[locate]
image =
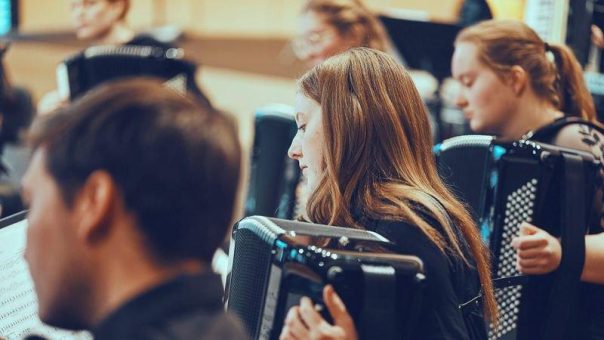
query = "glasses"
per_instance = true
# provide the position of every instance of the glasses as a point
(85, 4)
(305, 44)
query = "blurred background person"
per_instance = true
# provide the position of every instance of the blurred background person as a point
(328, 27)
(100, 22)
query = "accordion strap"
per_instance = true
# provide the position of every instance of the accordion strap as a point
(565, 290)
(549, 132)
(379, 307)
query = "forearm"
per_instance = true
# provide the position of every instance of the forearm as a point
(593, 271)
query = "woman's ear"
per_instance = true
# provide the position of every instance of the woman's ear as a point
(518, 79)
(95, 205)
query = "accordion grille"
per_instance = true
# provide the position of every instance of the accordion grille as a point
(518, 208)
(248, 279)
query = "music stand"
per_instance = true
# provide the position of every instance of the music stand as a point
(424, 45)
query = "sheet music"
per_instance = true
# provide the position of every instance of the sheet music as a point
(548, 18)
(18, 305)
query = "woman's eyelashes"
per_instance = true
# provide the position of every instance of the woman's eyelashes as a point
(302, 127)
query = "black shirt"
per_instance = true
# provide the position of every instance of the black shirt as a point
(450, 282)
(188, 307)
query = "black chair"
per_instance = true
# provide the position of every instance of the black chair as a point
(462, 164)
(274, 177)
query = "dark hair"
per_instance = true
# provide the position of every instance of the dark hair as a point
(503, 44)
(175, 164)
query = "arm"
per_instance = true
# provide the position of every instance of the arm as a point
(540, 253)
(593, 271)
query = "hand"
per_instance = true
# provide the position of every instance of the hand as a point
(50, 102)
(597, 37)
(538, 251)
(304, 322)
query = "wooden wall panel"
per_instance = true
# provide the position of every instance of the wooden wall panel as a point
(241, 18)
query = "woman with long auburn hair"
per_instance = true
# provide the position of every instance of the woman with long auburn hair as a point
(364, 145)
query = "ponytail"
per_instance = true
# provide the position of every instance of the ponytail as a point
(575, 99)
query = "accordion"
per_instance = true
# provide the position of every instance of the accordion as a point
(273, 263)
(274, 176)
(549, 186)
(98, 64)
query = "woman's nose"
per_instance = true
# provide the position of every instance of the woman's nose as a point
(295, 151)
(460, 100)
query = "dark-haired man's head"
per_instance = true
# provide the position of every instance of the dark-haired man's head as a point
(129, 186)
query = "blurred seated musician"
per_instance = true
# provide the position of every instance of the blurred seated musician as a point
(131, 189)
(364, 144)
(329, 27)
(103, 22)
(516, 86)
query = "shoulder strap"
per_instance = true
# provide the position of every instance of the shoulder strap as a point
(551, 130)
(565, 290)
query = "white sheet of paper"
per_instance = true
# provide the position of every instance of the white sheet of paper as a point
(18, 303)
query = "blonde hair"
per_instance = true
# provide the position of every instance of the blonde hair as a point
(377, 155)
(351, 18)
(503, 44)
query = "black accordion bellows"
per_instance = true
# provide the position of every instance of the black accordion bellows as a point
(524, 181)
(462, 163)
(98, 64)
(275, 262)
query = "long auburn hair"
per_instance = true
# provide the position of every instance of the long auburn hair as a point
(377, 155)
(503, 44)
(351, 17)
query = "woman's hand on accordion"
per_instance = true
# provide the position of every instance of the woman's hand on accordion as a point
(304, 322)
(538, 251)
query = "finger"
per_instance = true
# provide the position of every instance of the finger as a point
(532, 263)
(533, 253)
(293, 325)
(308, 313)
(337, 309)
(515, 242)
(528, 229)
(287, 334)
(531, 241)
(533, 270)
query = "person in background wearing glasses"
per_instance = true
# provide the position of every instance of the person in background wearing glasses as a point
(329, 27)
(101, 22)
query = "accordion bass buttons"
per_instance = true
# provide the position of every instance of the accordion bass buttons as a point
(343, 241)
(334, 272)
(419, 278)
